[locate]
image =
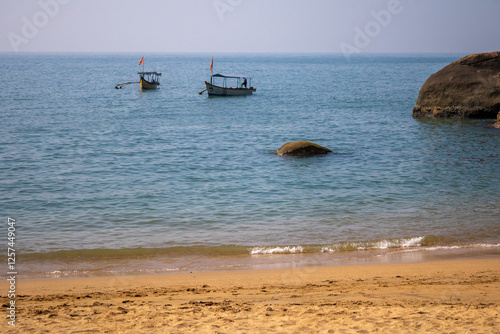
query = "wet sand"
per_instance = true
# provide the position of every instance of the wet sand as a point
(456, 296)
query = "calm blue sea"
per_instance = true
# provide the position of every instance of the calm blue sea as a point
(159, 180)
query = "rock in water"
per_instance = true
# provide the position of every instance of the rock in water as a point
(302, 148)
(468, 87)
(497, 124)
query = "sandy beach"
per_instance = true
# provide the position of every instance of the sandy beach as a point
(455, 296)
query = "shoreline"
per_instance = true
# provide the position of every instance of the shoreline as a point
(436, 296)
(170, 264)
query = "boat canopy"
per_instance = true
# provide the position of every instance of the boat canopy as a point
(149, 73)
(239, 79)
(218, 75)
(153, 77)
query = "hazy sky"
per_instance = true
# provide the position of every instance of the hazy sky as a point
(212, 26)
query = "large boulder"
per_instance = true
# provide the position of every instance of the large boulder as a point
(302, 148)
(468, 87)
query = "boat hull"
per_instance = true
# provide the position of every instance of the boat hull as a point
(214, 90)
(148, 85)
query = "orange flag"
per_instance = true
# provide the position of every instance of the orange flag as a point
(212, 65)
(142, 61)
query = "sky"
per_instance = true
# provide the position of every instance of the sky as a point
(250, 26)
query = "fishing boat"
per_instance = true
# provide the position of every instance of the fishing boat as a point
(231, 85)
(149, 80)
(237, 85)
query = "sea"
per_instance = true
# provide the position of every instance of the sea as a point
(105, 181)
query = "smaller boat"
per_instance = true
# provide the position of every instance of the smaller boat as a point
(149, 80)
(241, 85)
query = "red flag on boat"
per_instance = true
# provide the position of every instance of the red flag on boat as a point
(212, 65)
(142, 61)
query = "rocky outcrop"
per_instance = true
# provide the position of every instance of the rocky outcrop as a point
(468, 87)
(302, 148)
(497, 124)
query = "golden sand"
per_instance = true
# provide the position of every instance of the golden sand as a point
(456, 296)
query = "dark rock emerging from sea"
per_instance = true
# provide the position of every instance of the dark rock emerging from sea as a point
(466, 88)
(302, 148)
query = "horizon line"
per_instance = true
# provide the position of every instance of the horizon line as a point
(240, 53)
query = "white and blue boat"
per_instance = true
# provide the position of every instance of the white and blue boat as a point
(229, 85)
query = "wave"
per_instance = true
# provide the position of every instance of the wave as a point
(416, 243)
(89, 255)
(348, 246)
(381, 244)
(277, 250)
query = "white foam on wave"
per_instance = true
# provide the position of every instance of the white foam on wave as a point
(382, 244)
(276, 250)
(487, 245)
(406, 244)
(400, 243)
(463, 246)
